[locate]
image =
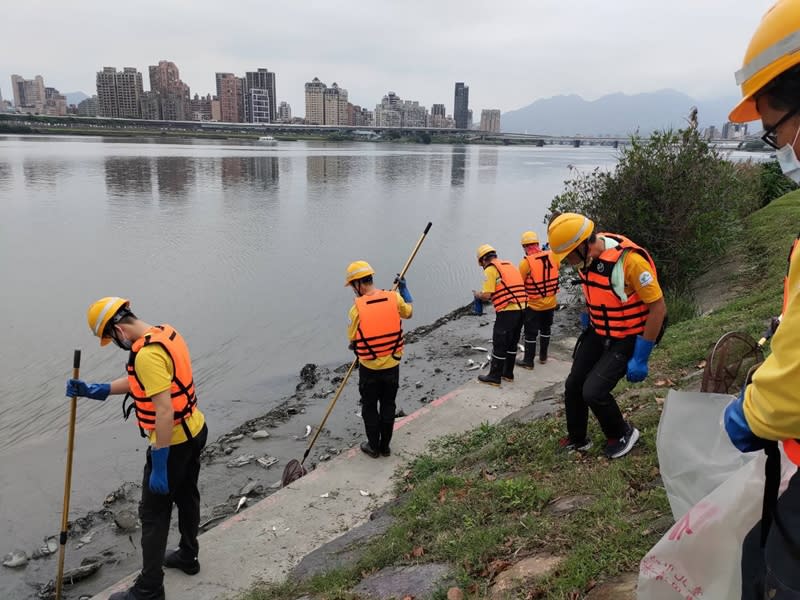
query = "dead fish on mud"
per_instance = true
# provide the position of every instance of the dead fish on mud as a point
(15, 559)
(305, 435)
(242, 502)
(49, 547)
(475, 348)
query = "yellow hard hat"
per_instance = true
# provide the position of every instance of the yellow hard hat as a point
(357, 270)
(100, 313)
(566, 232)
(529, 237)
(483, 250)
(774, 48)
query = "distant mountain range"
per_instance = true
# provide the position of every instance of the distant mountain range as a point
(615, 114)
(75, 97)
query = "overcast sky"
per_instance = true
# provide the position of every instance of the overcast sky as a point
(508, 52)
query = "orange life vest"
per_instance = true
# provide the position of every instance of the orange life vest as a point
(791, 447)
(609, 315)
(184, 400)
(510, 288)
(542, 281)
(379, 332)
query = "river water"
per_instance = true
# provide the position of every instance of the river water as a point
(243, 249)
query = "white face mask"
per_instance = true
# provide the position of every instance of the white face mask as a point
(787, 159)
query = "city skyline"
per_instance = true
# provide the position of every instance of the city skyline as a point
(510, 56)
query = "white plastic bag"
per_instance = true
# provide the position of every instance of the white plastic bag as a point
(695, 454)
(700, 556)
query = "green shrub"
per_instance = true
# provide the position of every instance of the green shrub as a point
(673, 194)
(773, 183)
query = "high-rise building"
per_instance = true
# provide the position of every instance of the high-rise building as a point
(55, 103)
(88, 107)
(315, 102)
(29, 94)
(229, 93)
(120, 93)
(469, 119)
(438, 116)
(461, 105)
(151, 106)
(200, 108)
(490, 120)
(284, 112)
(259, 97)
(335, 105)
(393, 111)
(173, 94)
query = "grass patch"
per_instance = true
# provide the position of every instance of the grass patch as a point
(480, 500)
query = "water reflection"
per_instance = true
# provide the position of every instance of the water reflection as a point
(43, 173)
(257, 172)
(5, 175)
(128, 175)
(328, 169)
(458, 165)
(487, 165)
(175, 176)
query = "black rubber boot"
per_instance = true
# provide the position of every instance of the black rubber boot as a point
(495, 372)
(526, 362)
(369, 450)
(508, 366)
(544, 343)
(177, 560)
(139, 592)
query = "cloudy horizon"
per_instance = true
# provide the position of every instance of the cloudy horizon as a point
(509, 54)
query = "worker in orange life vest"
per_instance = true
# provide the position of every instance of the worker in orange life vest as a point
(768, 410)
(376, 336)
(540, 272)
(161, 386)
(624, 319)
(502, 285)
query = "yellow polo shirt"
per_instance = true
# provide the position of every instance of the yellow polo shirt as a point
(546, 303)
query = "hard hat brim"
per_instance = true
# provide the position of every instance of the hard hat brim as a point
(745, 111)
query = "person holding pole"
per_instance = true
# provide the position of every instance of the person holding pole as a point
(160, 383)
(376, 336)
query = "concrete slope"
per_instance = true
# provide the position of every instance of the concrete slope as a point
(263, 542)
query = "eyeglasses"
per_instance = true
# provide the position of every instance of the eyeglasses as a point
(770, 136)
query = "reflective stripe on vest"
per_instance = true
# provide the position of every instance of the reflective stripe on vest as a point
(542, 281)
(610, 316)
(379, 332)
(791, 447)
(510, 288)
(184, 399)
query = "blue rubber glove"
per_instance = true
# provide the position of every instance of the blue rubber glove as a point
(95, 391)
(738, 429)
(477, 306)
(637, 365)
(584, 321)
(158, 474)
(403, 289)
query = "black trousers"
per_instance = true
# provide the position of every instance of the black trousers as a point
(378, 391)
(538, 322)
(505, 337)
(598, 364)
(155, 510)
(774, 571)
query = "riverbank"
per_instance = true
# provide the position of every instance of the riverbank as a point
(437, 360)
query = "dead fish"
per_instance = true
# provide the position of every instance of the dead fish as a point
(364, 492)
(520, 347)
(308, 432)
(242, 502)
(240, 461)
(479, 349)
(15, 559)
(473, 368)
(482, 365)
(49, 547)
(418, 384)
(89, 566)
(470, 362)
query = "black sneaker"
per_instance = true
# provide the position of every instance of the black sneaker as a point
(619, 448)
(139, 592)
(565, 444)
(367, 449)
(177, 560)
